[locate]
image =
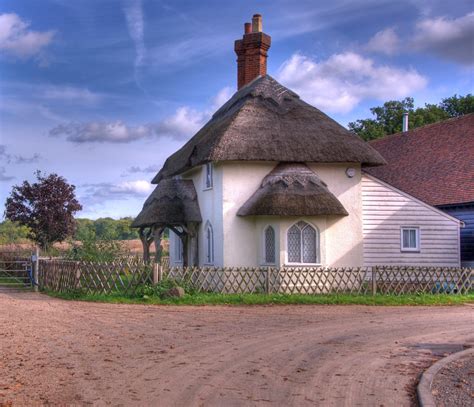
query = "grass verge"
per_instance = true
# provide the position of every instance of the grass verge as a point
(274, 299)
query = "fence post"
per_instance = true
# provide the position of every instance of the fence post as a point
(374, 280)
(267, 281)
(36, 270)
(156, 273)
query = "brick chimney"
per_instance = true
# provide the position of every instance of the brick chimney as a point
(251, 52)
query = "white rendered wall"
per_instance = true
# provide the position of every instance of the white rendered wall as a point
(210, 204)
(343, 234)
(340, 237)
(386, 210)
(241, 238)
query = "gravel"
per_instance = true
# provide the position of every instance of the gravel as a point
(454, 384)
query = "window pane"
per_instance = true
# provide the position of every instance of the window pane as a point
(412, 239)
(294, 245)
(406, 239)
(210, 245)
(269, 245)
(309, 245)
(208, 175)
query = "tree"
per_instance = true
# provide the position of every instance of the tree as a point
(458, 105)
(46, 207)
(388, 118)
(11, 232)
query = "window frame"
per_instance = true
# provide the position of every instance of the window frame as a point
(209, 253)
(264, 246)
(318, 246)
(417, 239)
(208, 174)
(178, 250)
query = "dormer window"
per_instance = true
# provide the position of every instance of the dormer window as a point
(208, 174)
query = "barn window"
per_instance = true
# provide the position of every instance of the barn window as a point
(303, 244)
(208, 181)
(410, 239)
(209, 244)
(269, 245)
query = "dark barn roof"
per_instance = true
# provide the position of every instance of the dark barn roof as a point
(434, 163)
(264, 121)
(173, 202)
(292, 189)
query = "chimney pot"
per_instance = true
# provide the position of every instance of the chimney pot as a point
(257, 23)
(405, 122)
(247, 28)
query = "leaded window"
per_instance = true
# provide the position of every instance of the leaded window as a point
(178, 249)
(209, 244)
(302, 242)
(269, 245)
(209, 176)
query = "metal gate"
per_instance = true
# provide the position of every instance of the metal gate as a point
(16, 270)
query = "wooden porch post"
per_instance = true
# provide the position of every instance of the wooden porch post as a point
(157, 239)
(146, 238)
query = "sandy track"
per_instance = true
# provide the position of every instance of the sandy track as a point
(56, 352)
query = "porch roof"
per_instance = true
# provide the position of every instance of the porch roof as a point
(173, 202)
(292, 189)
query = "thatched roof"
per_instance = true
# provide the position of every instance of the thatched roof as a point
(264, 121)
(173, 202)
(292, 189)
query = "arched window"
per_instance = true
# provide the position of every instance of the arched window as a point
(269, 245)
(209, 237)
(303, 242)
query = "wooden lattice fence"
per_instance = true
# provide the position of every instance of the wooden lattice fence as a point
(124, 276)
(128, 275)
(362, 280)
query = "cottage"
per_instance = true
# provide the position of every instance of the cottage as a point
(435, 163)
(272, 181)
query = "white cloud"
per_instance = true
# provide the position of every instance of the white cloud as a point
(150, 169)
(448, 38)
(17, 40)
(184, 123)
(8, 158)
(108, 191)
(181, 125)
(133, 11)
(100, 132)
(341, 82)
(385, 41)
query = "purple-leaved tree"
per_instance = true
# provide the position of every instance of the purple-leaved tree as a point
(47, 207)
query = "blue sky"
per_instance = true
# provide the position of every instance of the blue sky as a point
(101, 92)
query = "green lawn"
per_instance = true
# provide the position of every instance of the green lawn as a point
(273, 299)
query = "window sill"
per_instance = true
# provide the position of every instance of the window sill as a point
(410, 250)
(303, 265)
(207, 189)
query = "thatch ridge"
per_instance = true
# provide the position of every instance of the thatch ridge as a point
(173, 202)
(264, 121)
(292, 189)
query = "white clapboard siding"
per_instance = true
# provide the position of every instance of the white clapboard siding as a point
(386, 210)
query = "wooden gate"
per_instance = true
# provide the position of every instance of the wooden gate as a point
(16, 270)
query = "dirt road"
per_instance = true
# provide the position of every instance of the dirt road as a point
(56, 352)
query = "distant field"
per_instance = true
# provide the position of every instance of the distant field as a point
(133, 246)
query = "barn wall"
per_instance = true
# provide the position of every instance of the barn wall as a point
(386, 210)
(465, 213)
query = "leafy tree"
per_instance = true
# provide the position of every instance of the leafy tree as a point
(388, 118)
(85, 229)
(458, 105)
(92, 249)
(46, 207)
(12, 232)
